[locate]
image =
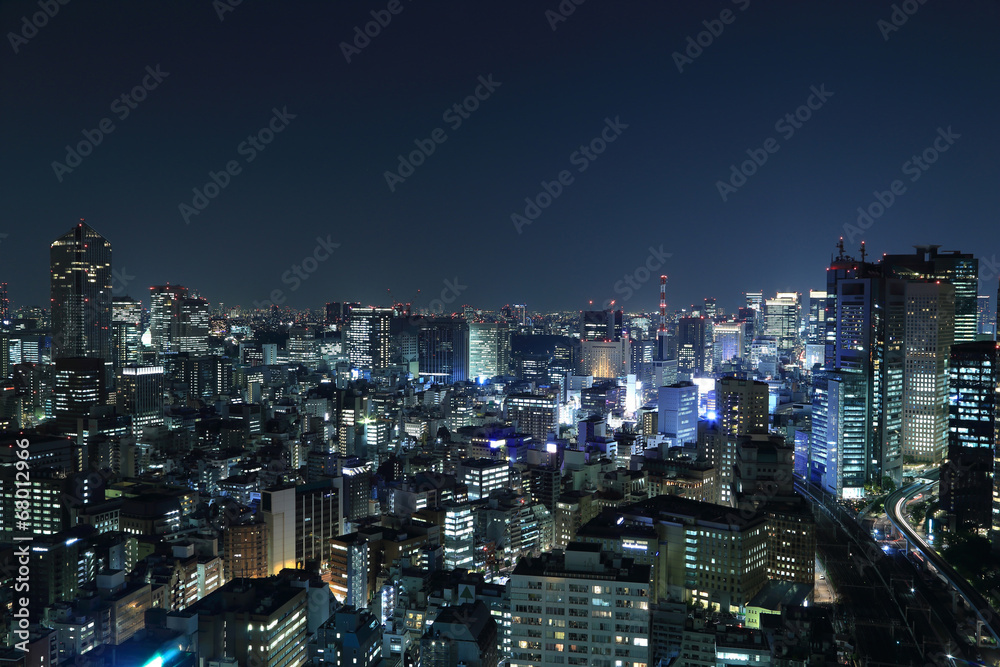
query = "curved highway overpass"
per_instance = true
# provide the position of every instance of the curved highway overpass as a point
(894, 507)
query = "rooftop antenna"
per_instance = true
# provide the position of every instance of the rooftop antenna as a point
(863, 253)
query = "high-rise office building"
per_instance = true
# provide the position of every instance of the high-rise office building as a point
(678, 413)
(839, 458)
(537, 415)
(126, 322)
(140, 394)
(782, 316)
(189, 328)
(987, 316)
(458, 535)
(691, 339)
(967, 474)
(79, 385)
(164, 305)
(367, 340)
(605, 359)
(4, 305)
(816, 327)
(728, 343)
(961, 270)
(929, 335)
(741, 409)
(489, 349)
(80, 263)
(443, 349)
(599, 596)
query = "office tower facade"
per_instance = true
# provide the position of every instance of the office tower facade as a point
(961, 270)
(967, 475)
(443, 350)
(929, 335)
(458, 536)
(782, 316)
(691, 341)
(126, 321)
(605, 359)
(816, 326)
(987, 316)
(537, 415)
(368, 340)
(484, 476)
(601, 324)
(253, 622)
(678, 413)
(140, 394)
(462, 635)
(741, 409)
(80, 263)
(164, 303)
(598, 595)
(839, 456)
(244, 550)
(79, 385)
(728, 342)
(489, 349)
(189, 328)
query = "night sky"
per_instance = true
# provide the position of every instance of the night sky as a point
(655, 185)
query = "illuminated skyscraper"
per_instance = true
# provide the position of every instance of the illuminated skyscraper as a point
(959, 269)
(367, 340)
(987, 316)
(967, 475)
(81, 295)
(930, 332)
(728, 345)
(164, 303)
(489, 349)
(126, 322)
(782, 315)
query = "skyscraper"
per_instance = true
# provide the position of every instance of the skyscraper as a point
(489, 349)
(443, 349)
(80, 263)
(987, 316)
(930, 332)
(967, 475)
(367, 340)
(959, 269)
(126, 322)
(164, 303)
(781, 320)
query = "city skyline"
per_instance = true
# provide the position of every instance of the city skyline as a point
(326, 131)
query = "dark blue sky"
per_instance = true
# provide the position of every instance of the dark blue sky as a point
(656, 185)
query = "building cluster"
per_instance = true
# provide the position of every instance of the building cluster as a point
(360, 485)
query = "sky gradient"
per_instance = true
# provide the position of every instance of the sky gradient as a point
(319, 188)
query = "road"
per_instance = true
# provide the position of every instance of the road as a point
(895, 505)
